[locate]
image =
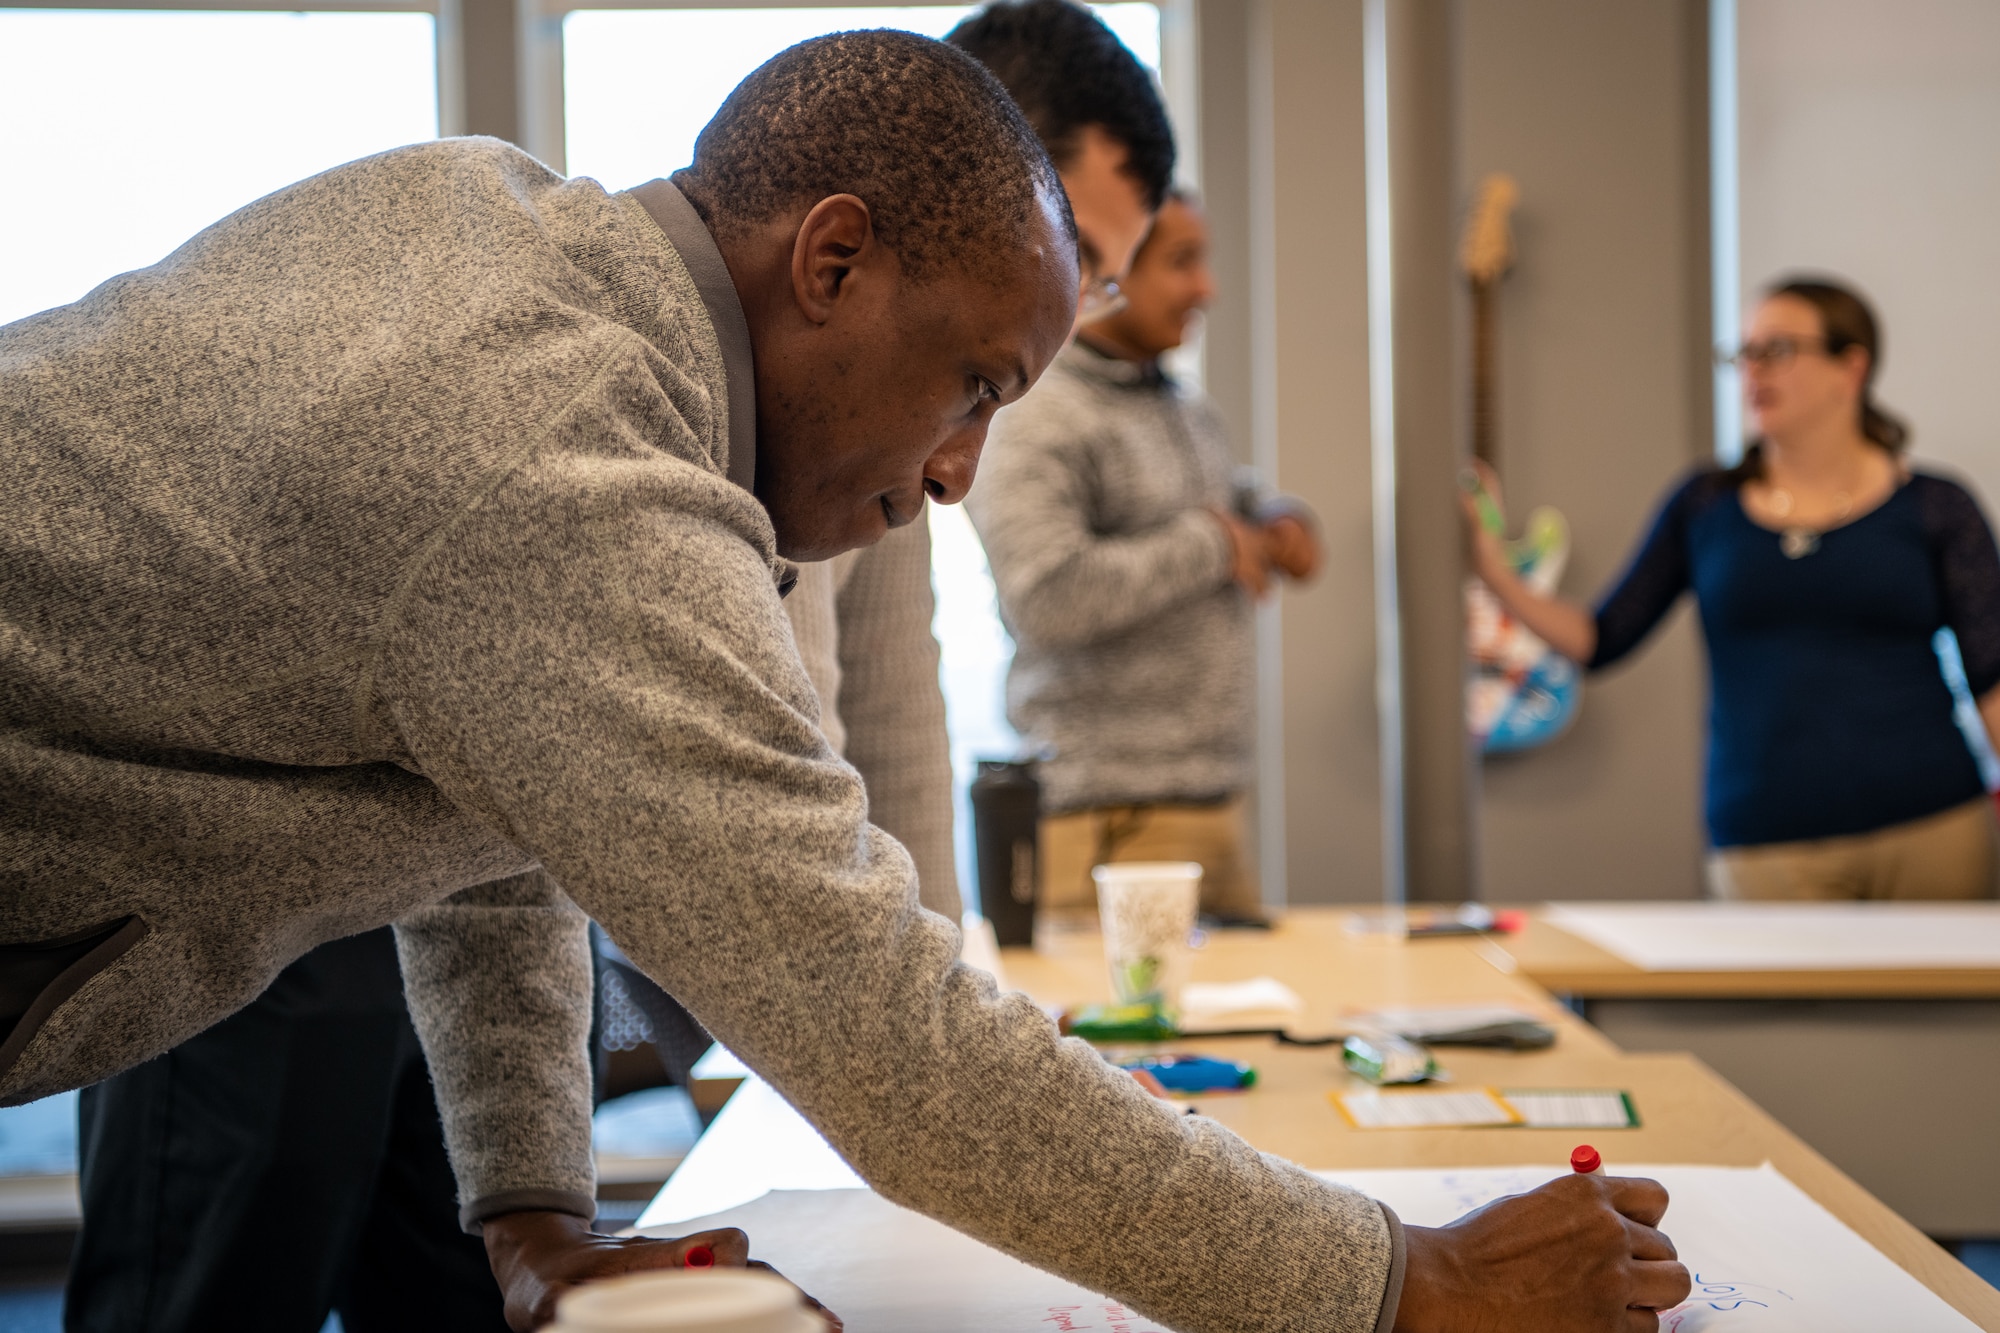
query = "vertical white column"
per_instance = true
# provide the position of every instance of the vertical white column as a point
(1725, 243)
(450, 19)
(543, 132)
(1382, 441)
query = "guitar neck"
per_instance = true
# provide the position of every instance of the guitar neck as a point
(1485, 392)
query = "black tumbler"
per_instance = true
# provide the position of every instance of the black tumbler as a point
(1006, 807)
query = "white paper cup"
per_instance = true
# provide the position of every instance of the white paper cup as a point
(1147, 909)
(713, 1300)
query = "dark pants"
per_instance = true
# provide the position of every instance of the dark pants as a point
(285, 1163)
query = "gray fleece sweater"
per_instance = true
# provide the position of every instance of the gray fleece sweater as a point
(1134, 665)
(375, 557)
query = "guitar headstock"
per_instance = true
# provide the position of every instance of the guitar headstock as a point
(1488, 248)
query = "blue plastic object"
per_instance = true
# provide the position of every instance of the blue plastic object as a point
(1195, 1073)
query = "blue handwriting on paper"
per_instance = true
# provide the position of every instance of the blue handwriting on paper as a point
(1712, 1298)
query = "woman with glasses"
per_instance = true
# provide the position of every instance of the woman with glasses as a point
(1823, 566)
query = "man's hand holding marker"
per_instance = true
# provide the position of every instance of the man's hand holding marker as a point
(1582, 1254)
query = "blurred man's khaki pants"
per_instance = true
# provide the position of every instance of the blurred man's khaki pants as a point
(1209, 833)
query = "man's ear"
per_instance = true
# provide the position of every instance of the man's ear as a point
(837, 235)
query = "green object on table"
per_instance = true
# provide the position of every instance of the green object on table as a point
(1121, 1022)
(1382, 1057)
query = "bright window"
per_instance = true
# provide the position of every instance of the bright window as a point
(123, 133)
(638, 84)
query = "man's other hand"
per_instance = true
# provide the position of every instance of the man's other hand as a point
(1291, 545)
(538, 1257)
(1579, 1255)
(1247, 564)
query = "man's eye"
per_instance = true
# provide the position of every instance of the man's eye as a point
(985, 390)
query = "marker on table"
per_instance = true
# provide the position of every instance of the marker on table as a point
(1586, 1162)
(699, 1257)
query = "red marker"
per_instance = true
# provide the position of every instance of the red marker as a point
(699, 1257)
(1585, 1161)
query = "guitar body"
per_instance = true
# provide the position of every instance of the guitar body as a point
(1523, 694)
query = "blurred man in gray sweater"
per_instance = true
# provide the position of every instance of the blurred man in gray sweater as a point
(410, 543)
(1127, 562)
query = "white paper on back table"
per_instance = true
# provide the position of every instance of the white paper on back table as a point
(1775, 937)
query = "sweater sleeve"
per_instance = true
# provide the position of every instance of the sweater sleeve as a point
(1061, 582)
(893, 706)
(512, 1072)
(1968, 573)
(1651, 583)
(595, 661)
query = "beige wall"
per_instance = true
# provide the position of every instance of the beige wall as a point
(1597, 110)
(1313, 436)
(1287, 361)
(1867, 137)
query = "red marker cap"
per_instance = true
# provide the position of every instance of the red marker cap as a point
(1585, 1161)
(699, 1257)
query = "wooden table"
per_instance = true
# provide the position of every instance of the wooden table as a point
(1892, 1073)
(1688, 1114)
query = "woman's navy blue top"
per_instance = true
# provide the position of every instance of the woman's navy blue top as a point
(1828, 711)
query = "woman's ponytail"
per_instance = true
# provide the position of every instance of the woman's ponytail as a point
(1885, 428)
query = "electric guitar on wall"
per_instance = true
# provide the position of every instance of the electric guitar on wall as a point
(1523, 694)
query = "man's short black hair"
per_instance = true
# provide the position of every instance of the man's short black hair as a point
(917, 130)
(1068, 71)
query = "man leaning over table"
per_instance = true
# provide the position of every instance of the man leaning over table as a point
(411, 542)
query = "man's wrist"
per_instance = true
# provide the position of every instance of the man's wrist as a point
(509, 1235)
(473, 1215)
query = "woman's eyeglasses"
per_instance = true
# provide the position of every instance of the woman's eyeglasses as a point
(1768, 353)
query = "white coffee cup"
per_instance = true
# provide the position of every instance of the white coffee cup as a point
(712, 1300)
(1147, 910)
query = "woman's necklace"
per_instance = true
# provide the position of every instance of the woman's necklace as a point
(1796, 540)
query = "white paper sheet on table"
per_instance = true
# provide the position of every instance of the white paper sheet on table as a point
(1725, 937)
(885, 1269)
(1259, 1002)
(758, 1143)
(1766, 1257)
(1424, 1108)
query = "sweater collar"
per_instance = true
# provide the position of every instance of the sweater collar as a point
(1083, 359)
(689, 235)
